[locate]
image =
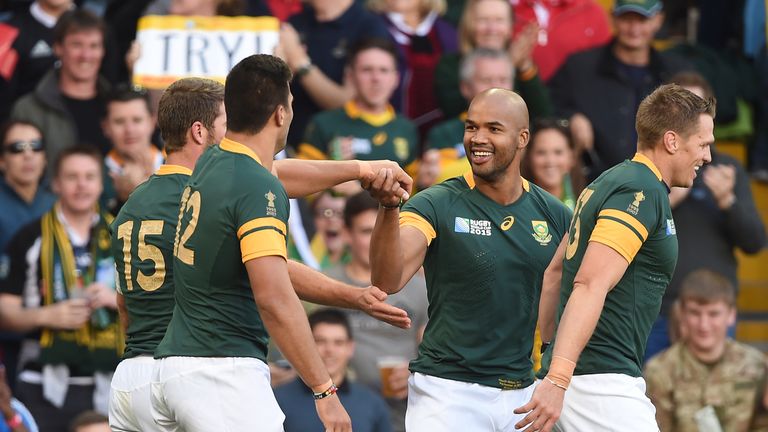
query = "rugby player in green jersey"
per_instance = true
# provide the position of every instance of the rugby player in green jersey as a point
(620, 254)
(192, 118)
(484, 239)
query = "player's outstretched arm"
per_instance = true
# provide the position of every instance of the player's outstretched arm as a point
(601, 269)
(313, 286)
(286, 322)
(550, 293)
(304, 177)
(396, 254)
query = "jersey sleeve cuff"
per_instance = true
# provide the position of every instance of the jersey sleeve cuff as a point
(418, 222)
(618, 237)
(265, 242)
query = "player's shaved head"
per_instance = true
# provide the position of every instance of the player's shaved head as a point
(505, 101)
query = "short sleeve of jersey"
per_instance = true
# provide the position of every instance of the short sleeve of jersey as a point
(420, 212)
(626, 219)
(261, 216)
(314, 146)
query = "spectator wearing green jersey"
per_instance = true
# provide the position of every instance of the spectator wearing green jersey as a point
(367, 127)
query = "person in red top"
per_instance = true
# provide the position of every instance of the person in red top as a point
(564, 27)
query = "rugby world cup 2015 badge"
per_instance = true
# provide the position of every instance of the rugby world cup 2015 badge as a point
(541, 232)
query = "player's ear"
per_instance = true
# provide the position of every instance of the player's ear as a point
(671, 141)
(280, 115)
(524, 138)
(196, 130)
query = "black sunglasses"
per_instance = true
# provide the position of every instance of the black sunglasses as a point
(17, 147)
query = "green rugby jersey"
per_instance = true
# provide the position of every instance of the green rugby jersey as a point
(627, 209)
(142, 246)
(348, 131)
(484, 267)
(233, 210)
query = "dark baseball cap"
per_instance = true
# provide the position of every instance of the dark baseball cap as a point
(646, 8)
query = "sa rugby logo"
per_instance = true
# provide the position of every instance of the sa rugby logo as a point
(541, 232)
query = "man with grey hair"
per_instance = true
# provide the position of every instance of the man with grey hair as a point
(444, 157)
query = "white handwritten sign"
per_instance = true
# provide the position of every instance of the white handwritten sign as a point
(174, 47)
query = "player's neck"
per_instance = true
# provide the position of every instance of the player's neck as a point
(359, 272)
(504, 190)
(182, 158)
(662, 162)
(263, 144)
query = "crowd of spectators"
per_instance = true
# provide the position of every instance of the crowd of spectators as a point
(375, 79)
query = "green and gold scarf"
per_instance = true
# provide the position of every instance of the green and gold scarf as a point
(90, 348)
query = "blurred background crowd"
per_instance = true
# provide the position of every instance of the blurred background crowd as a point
(389, 79)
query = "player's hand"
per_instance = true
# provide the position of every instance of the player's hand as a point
(101, 295)
(68, 314)
(398, 381)
(333, 415)
(372, 302)
(543, 409)
(401, 177)
(721, 179)
(386, 189)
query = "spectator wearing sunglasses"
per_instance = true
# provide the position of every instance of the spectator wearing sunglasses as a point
(22, 199)
(22, 161)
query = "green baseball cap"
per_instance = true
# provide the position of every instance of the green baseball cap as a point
(647, 8)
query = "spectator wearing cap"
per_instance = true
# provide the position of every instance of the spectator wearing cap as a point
(70, 97)
(622, 72)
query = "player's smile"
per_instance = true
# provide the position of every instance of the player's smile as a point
(480, 156)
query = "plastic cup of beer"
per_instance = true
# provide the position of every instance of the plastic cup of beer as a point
(386, 366)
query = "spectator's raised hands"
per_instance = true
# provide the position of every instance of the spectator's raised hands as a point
(721, 179)
(521, 49)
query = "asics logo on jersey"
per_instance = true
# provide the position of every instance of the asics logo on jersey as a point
(471, 226)
(508, 222)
